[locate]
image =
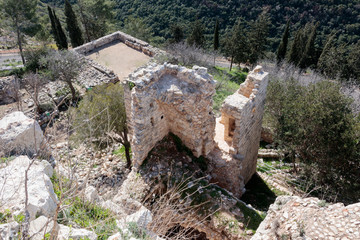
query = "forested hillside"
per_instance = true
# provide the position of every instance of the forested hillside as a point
(160, 15)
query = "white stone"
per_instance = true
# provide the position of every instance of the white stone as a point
(66, 232)
(42, 199)
(20, 134)
(41, 226)
(9, 230)
(91, 194)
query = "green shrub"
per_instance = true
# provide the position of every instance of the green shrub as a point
(315, 125)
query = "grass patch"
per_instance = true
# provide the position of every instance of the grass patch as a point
(252, 217)
(83, 214)
(227, 83)
(90, 216)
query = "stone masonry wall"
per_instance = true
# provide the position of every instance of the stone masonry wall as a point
(246, 108)
(168, 98)
(130, 41)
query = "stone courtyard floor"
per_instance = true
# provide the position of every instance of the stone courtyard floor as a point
(120, 58)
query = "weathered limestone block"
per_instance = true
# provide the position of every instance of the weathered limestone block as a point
(42, 199)
(20, 134)
(169, 98)
(66, 232)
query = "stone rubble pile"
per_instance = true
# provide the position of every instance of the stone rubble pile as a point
(292, 217)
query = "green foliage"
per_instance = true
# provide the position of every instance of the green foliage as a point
(281, 52)
(101, 114)
(5, 216)
(20, 218)
(22, 16)
(62, 44)
(227, 83)
(72, 26)
(315, 124)
(161, 14)
(138, 28)
(177, 33)
(121, 151)
(216, 35)
(64, 66)
(257, 36)
(137, 231)
(33, 57)
(90, 216)
(308, 57)
(96, 17)
(197, 34)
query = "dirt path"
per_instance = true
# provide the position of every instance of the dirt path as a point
(120, 58)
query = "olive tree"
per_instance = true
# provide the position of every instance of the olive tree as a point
(315, 124)
(64, 66)
(101, 115)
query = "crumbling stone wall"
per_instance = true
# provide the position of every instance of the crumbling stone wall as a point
(242, 114)
(168, 98)
(130, 41)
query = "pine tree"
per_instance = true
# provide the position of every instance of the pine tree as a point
(309, 57)
(216, 35)
(299, 44)
(258, 37)
(53, 27)
(197, 34)
(281, 52)
(72, 26)
(236, 44)
(60, 32)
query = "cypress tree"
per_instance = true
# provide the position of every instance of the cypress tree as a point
(216, 35)
(72, 26)
(61, 35)
(309, 56)
(197, 34)
(53, 27)
(281, 52)
(177, 33)
(323, 59)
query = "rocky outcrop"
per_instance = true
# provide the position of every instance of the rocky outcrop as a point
(41, 196)
(20, 135)
(9, 230)
(296, 218)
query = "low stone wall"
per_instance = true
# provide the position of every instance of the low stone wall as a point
(168, 98)
(130, 41)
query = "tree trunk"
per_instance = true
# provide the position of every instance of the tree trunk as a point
(72, 89)
(231, 63)
(19, 40)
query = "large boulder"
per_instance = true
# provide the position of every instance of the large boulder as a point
(20, 134)
(292, 217)
(41, 197)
